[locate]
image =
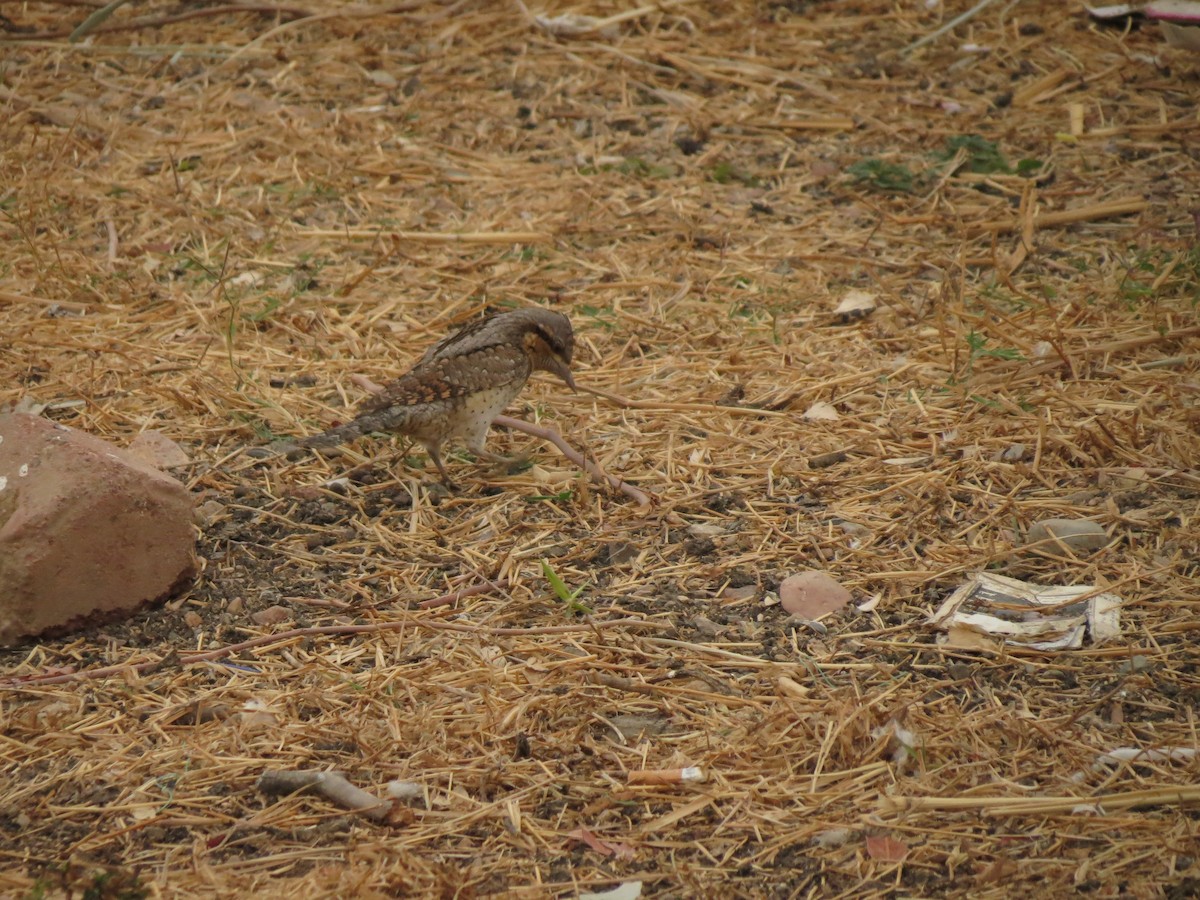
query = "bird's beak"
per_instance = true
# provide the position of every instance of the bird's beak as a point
(563, 371)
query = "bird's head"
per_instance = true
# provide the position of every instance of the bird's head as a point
(550, 342)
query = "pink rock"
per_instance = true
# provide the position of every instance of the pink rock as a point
(88, 532)
(811, 594)
(272, 615)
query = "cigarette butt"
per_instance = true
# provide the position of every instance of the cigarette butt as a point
(666, 776)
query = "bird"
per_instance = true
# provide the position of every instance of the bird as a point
(462, 383)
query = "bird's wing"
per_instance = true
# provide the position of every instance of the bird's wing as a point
(446, 378)
(469, 334)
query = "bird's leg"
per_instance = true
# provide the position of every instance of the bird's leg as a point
(498, 459)
(474, 440)
(435, 454)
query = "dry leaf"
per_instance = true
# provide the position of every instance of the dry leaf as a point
(632, 727)
(745, 592)
(143, 812)
(1000, 870)
(833, 837)
(870, 605)
(855, 305)
(821, 412)
(906, 460)
(257, 714)
(574, 25)
(823, 169)
(601, 846)
(886, 849)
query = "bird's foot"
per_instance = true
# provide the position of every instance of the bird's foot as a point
(442, 488)
(507, 465)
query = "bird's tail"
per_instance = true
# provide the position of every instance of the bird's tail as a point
(343, 434)
(293, 448)
(389, 418)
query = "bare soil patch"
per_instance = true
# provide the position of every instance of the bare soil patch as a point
(213, 217)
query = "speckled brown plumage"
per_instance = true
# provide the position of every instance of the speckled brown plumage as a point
(463, 382)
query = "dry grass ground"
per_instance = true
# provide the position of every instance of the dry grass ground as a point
(209, 225)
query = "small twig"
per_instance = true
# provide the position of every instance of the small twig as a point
(449, 599)
(626, 403)
(432, 237)
(1001, 370)
(591, 25)
(1105, 210)
(949, 26)
(333, 786)
(13, 297)
(94, 21)
(1040, 87)
(1043, 806)
(1081, 711)
(1159, 473)
(622, 684)
(308, 19)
